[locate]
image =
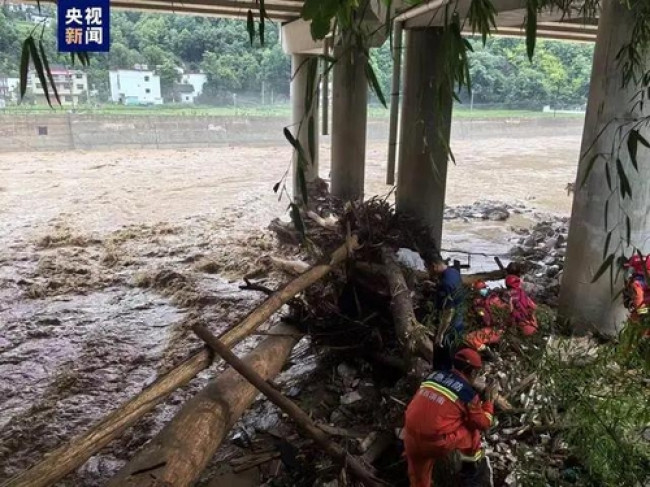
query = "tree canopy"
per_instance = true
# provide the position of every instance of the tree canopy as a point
(500, 71)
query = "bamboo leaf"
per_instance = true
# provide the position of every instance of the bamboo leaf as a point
(250, 26)
(625, 183)
(46, 64)
(289, 136)
(302, 182)
(276, 187)
(642, 139)
(628, 230)
(262, 16)
(632, 147)
(311, 137)
(296, 218)
(618, 294)
(608, 240)
(38, 66)
(606, 214)
(302, 159)
(312, 72)
(24, 68)
(387, 20)
(261, 30)
(608, 176)
(590, 167)
(374, 84)
(603, 267)
(531, 28)
(72, 58)
(329, 59)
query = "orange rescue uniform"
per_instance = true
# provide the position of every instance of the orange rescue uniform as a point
(446, 414)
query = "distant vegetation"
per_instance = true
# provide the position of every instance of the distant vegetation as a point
(501, 73)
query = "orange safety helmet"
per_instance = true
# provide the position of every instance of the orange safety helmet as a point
(513, 281)
(637, 263)
(478, 285)
(469, 357)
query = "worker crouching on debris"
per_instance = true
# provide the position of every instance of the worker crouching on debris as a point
(446, 414)
(485, 305)
(522, 307)
(448, 303)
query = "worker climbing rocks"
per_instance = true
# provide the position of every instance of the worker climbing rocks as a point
(484, 307)
(445, 415)
(522, 307)
(448, 304)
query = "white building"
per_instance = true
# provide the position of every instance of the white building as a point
(196, 81)
(71, 85)
(135, 87)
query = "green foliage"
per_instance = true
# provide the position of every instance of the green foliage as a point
(162, 41)
(600, 396)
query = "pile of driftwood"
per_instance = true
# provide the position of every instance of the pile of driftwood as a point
(355, 302)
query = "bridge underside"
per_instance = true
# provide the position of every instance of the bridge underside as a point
(510, 18)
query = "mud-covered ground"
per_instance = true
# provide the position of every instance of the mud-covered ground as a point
(106, 257)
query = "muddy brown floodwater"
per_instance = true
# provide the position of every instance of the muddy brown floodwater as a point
(106, 258)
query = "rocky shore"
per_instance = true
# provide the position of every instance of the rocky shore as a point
(543, 249)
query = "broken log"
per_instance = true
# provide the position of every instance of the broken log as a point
(302, 419)
(412, 335)
(293, 267)
(78, 450)
(178, 454)
(469, 279)
(329, 223)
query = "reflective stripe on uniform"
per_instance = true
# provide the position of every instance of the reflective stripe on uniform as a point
(473, 458)
(440, 389)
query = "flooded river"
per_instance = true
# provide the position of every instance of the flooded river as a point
(106, 258)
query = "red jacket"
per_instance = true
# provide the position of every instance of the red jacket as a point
(638, 295)
(447, 402)
(485, 306)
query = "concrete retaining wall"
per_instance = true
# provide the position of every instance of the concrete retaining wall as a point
(20, 133)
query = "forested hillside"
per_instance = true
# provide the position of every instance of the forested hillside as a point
(501, 73)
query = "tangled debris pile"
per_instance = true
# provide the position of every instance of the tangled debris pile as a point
(361, 384)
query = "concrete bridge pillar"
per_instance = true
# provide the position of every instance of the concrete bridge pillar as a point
(425, 131)
(304, 89)
(586, 305)
(349, 117)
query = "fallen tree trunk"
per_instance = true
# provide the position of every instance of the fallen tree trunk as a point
(412, 336)
(302, 419)
(77, 451)
(179, 453)
(469, 279)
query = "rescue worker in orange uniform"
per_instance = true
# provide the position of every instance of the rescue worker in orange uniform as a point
(522, 307)
(637, 293)
(446, 414)
(484, 307)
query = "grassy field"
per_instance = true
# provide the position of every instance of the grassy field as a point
(281, 111)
